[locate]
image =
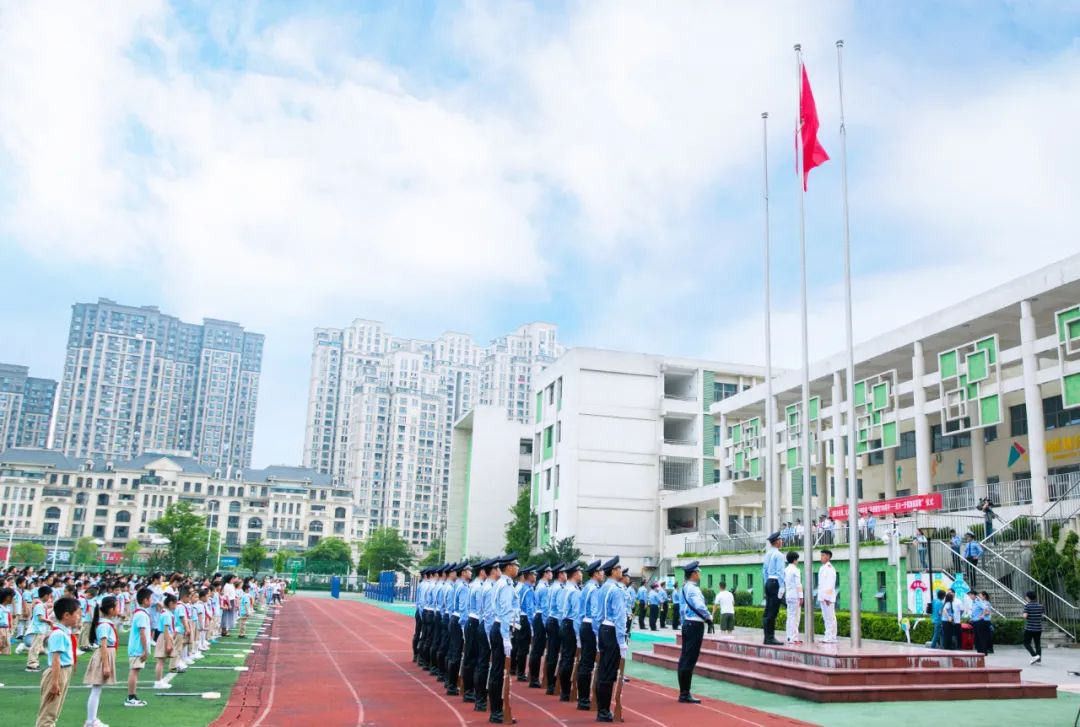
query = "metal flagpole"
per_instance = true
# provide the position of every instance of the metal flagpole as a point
(853, 474)
(804, 415)
(770, 410)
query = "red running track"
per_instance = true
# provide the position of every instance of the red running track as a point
(340, 663)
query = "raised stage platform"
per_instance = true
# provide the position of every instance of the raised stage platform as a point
(837, 673)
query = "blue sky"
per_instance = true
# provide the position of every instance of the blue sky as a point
(471, 166)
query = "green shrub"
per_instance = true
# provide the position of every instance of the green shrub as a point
(744, 598)
(709, 595)
(878, 626)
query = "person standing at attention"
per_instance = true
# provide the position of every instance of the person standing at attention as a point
(826, 596)
(772, 575)
(793, 595)
(693, 631)
(1033, 627)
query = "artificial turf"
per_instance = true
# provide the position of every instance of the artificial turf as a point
(20, 695)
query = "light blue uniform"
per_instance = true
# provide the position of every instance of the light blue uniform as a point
(540, 604)
(476, 594)
(487, 607)
(507, 609)
(554, 591)
(773, 567)
(583, 615)
(140, 624)
(59, 642)
(613, 611)
(695, 603)
(654, 597)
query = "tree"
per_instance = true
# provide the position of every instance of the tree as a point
(329, 555)
(384, 550)
(281, 560)
(561, 551)
(86, 551)
(252, 555)
(29, 553)
(521, 530)
(436, 553)
(187, 534)
(131, 553)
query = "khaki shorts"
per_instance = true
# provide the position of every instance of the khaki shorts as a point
(137, 662)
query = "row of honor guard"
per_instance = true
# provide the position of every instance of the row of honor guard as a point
(562, 627)
(559, 627)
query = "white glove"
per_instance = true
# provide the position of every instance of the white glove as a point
(622, 651)
(579, 643)
(506, 648)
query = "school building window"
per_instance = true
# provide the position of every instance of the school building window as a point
(945, 442)
(1018, 420)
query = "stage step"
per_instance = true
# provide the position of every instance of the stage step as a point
(833, 673)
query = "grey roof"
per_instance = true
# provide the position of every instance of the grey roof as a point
(43, 457)
(283, 474)
(187, 464)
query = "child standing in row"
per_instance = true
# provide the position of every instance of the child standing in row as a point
(61, 648)
(40, 625)
(245, 611)
(102, 667)
(163, 648)
(7, 597)
(138, 645)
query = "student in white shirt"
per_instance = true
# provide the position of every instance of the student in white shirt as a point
(793, 594)
(725, 601)
(826, 596)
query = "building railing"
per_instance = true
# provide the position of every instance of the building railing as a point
(680, 440)
(1001, 494)
(680, 395)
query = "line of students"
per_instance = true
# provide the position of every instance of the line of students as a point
(66, 615)
(566, 624)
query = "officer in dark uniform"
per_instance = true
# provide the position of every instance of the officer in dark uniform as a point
(551, 628)
(470, 637)
(613, 638)
(695, 620)
(459, 612)
(523, 636)
(421, 587)
(590, 609)
(539, 628)
(773, 578)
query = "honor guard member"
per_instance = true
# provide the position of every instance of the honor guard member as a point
(642, 603)
(695, 618)
(629, 591)
(793, 595)
(569, 603)
(663, 605)
(772, 575)
(421, 586)
(654, 605)
(539, 629)
(519, 659)
(586, 614)
(449, 576)
(612, 643)
(552, 624)
(472, 634)
(506, 609)
(487, 618)
(459, 604)
(826, 594)
(429, 621)
(440, 628)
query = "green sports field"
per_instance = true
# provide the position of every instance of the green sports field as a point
(19, 695)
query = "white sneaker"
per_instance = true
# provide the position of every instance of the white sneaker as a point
(20, 648)
(162, 685)
(99, 723)
(1036, 660)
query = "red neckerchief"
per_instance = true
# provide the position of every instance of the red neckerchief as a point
(116, 639)
(74, 647)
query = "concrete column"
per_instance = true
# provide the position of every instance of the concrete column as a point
(890, 472)
(1033, 401)
(922, 422)
(839, 462)
(822, 474)
(978, 458)
(721, 506)
(722, 515)
(785, 495)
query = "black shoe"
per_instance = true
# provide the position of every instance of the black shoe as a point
(549, 691)
(584, 706)
(480, 707)
(468, 698)
(497, 718)
(535, 685)
(605, 716)
(772, 642)
(523, 678)
(689, 699)
(452, 692)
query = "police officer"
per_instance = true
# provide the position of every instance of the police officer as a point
(506, 608)
(472, 634)
(695, 619)
(551, 624)
(421, 589)
(588, 615)
(483, 638)
(612, 642)
(569, 602)
(539, 629)
(459, 605)
(523, 635)
(772, 575)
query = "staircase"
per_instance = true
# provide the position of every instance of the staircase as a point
(833, 673)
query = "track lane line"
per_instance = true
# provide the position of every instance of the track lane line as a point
(322, 643)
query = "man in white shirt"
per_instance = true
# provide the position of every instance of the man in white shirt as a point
(793, 594)
(725, 601)
(826, 596)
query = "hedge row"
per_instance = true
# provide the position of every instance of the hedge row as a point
(882, 627)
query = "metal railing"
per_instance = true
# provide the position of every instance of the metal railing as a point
(680, 440)
(1066, 505)
(1002, 494)
(723, 543)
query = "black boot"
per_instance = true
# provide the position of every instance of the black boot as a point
(605, 716)
(688, 698)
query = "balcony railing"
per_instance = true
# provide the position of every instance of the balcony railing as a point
(1002, 494)
(685, 441)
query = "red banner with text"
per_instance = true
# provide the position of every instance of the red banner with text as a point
(896, 506)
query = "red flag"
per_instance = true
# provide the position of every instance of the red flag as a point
(813, 152)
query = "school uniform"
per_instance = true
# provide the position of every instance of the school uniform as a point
(244, 613)
(104, 654)
(39, 627)
(166, 626)
(62, 642)
(980, 621)
(793, 593)
(5, 629)
(140, 626)
(86, 609)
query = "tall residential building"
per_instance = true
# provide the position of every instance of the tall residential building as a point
(137, 380)
(26, 404)
(381, 412)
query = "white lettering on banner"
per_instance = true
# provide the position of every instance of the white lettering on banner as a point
(896, 506)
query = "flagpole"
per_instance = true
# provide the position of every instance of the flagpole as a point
(853, 474)
(804, 415)
(770, 435)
